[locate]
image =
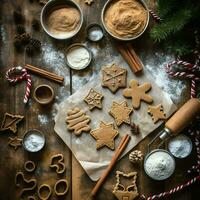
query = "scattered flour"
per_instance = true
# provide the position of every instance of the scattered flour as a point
(3, 34)
(43, 119)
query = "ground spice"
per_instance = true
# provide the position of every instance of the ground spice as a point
(63, 22)
(125, 18)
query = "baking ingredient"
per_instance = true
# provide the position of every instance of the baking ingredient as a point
(136, 156)
(95, 33)
(78, 57)
(34, 142)
(180, 146)
(64, 22)
(159, 165)
(125, 18)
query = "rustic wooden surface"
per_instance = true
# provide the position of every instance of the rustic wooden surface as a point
(12, 161)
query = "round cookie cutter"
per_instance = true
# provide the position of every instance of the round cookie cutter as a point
(58, 185)
(94, 27)
(82, 46)
(43, 94)
(29, 166)
(27, 134)
(44, 187)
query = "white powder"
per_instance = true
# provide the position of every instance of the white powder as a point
(78, 57)
(180, 146)
(43, 119)
(34, 142)
(159, 165)
(95, 33)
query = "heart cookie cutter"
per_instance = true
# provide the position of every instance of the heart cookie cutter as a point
(31, 182)
(42, 188)
(62, 183)
(57, 162)
(29, 166)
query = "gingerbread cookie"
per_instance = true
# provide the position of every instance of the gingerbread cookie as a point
(122, 192)
(88, 2)
(156, 113)
(121, 112)
(105, 135)
(114, 77)
(10, 122)
(15, 142)
(94, 99)
(138, 93)
(78, 121)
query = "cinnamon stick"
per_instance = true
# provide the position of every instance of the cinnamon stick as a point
(131, 57)
(122, 145)
(44, 73)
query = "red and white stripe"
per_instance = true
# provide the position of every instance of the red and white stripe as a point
(173, 190)
(188, 74)
(24, 76)
(154, 16)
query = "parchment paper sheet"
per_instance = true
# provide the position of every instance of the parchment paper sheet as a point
(84, 147)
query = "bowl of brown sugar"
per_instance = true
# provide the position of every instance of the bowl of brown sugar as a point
(61, 19)
(125, 19)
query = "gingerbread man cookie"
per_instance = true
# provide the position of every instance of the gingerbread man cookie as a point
(122, 192)
(94, 99)
(105, 135)
(121, 112)
(138, 93)
(114, 77)
(156, 113)
(78, 121)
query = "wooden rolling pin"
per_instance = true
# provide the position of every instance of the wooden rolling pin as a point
(183, 116)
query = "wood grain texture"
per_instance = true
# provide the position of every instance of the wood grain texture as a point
(11, 100)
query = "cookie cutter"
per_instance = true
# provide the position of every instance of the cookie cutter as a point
(59, 184)
(11, 125)
(121, 192)
(31, 182)
(57, 162)
(31, 198)
(44, 187)
(15, 142)
(29, 166)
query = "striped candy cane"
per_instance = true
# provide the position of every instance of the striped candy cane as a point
(24, 76)
(188, 74)
(154, 16)
(174, 190)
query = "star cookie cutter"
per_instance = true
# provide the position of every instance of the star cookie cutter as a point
(29, 166)
(15, 142)
(125, 193)
(44, 195)
(57, 162)
(31, 183)
(62, 183)
(10, 122)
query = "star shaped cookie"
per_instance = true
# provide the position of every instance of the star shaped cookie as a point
(15, 142)
(94, 99)
(138, 93)
(114, 77)
(123, 192)
(156, 113)
(10, 122)
(121, 112)
(105, 135)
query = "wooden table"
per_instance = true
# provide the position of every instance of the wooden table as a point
(52, 58)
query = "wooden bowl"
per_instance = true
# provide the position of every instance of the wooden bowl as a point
(43, 94)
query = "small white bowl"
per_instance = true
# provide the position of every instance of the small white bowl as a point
(53, 5)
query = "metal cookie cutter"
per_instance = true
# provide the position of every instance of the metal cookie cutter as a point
(29, 166)
(47, 188)
(57, 162)
(62, 183)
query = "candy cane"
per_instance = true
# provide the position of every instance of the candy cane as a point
(173, 190)
(154, 16)
(189, 74)
(24, 76)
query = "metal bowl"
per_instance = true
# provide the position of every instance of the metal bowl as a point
(53, 5)
(122, 38)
